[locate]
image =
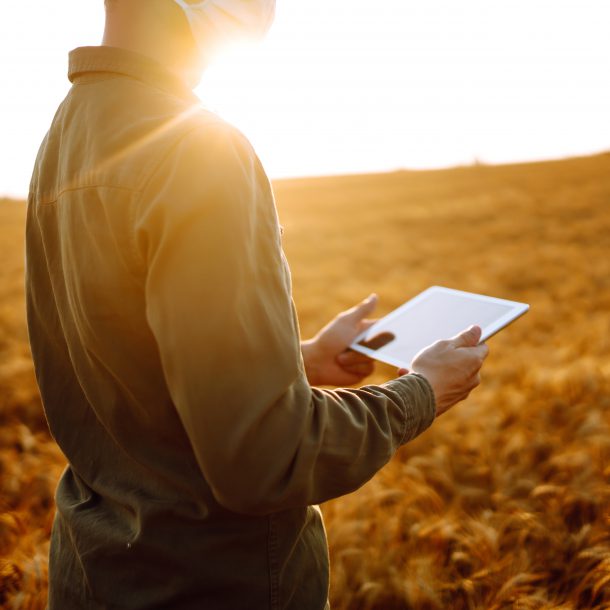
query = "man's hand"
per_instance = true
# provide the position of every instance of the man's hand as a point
(328, 359)
(452, 367)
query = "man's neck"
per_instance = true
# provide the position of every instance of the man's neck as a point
(155, 28)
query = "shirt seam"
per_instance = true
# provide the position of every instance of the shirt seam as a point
(98, 79)
(51, 201)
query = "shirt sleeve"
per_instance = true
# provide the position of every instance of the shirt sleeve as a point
(218, 301)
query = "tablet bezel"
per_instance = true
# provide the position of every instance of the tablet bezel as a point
(516, 311)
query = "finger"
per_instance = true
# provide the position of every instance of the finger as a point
(473, 382)
(402, 372)
(362, 369)
(468, 338)
(482, 350)
(379, 340)
(362, 310)
(478, 354)
(366, 324)
(349, 357)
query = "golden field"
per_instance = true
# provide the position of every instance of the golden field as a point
(505, 502)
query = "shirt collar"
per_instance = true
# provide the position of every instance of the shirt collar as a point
(89, 60)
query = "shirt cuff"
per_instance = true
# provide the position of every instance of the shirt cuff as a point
(418, 401)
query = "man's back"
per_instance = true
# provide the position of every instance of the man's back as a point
(137, 524)
(167, 353)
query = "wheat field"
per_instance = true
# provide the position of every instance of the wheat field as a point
(505, 502)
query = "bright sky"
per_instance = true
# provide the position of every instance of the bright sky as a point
(345, 86)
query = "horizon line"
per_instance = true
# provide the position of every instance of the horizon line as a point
(475, 162)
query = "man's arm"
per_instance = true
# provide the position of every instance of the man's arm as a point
(219, 304)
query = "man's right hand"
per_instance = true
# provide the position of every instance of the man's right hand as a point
(452, 367)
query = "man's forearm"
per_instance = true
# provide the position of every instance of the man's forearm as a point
(313, 445)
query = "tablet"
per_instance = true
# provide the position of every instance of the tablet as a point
(435, 314)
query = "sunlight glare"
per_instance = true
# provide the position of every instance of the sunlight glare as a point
(353, 86)
(345, 88)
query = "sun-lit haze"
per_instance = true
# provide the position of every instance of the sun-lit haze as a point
(349, 86)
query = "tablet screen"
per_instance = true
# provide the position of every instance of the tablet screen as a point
(437, 313)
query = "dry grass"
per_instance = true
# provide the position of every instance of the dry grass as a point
(505, 501)
(30, 463)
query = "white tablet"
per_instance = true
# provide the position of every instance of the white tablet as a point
(435, 314)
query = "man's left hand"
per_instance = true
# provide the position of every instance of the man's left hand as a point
(327, 357)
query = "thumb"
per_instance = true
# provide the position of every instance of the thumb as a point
(363, 309)
(468, 338)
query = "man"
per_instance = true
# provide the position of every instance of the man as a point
(167, 348)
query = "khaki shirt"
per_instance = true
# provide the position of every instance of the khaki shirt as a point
(167, 353)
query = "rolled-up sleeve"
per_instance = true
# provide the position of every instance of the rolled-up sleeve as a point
(218, 302)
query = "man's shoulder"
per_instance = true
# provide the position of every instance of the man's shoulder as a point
(202, 127)
(202, 160)
(192, 130)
